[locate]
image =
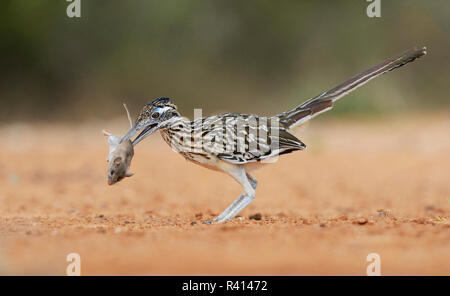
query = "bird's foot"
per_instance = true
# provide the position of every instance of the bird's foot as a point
(220, 219)
(213, 221)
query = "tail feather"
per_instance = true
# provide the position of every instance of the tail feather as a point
(324, 101)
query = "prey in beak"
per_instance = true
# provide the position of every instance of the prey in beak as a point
(119, 159)
(119, 156)
(154, 116)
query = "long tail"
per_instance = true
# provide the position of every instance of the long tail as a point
(324, 101)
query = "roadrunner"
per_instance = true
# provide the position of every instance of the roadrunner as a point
(239, 143)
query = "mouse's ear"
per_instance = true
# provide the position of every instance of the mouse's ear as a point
(106, 134)
(117, 161)
(129, 174)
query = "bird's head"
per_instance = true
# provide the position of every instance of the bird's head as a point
(153, 117)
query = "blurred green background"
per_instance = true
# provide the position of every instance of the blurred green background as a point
(243, 56)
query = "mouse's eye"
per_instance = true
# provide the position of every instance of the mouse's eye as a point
(155, 115)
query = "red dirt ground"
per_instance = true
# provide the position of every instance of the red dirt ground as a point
(361, 187)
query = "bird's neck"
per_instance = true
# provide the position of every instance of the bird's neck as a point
(171, 127)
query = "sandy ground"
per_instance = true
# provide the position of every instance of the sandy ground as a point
(361, 187)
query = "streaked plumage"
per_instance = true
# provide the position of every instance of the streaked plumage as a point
(229, 143)
(237, 143)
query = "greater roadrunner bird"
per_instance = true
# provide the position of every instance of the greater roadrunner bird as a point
(238, 143)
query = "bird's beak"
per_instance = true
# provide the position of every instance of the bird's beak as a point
(131, 132)
(147, 129)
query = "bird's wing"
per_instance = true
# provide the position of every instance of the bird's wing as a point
(242, 138)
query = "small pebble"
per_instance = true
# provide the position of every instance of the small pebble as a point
(383, 212)
(256, 216)
(361, 221)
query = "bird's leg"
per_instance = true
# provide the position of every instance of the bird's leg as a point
(249, 184)
(252, 180)
(227, 211)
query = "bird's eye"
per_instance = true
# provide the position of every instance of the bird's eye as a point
(155, 115)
